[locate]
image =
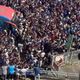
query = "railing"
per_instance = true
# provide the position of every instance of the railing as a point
(69, 56)
(62, 75)
(58, 74)
(47, 74)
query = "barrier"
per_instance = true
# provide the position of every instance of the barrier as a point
(69, 56)
(58, 74)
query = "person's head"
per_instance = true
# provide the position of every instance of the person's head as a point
(11, 63)
(4, 64)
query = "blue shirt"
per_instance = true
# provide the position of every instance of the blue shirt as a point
(11, 69)
(37, 70)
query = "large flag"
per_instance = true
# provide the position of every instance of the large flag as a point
(6, 15)
(69, 41)
(6, 12)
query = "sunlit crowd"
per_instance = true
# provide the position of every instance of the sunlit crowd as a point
(43, 29)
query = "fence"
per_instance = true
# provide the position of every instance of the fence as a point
(60, 75)
(73, 55)
(69, 57)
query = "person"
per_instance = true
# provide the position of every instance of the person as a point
(79, 56)
(8, 2)
(4, 71)
(23, 71)
(11, 71)
(37, 72)
(18, 68)
(47, 47)
(0, 73)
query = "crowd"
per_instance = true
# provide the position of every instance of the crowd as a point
(43, 29)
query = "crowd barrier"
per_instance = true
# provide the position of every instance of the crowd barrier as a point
(58, 74)
(69, 56)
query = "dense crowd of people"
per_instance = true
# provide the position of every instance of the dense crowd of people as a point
(43, 29)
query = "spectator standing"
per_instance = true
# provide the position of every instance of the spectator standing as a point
(23, 71)
(4, 71)
(11, 71)
(37, 72)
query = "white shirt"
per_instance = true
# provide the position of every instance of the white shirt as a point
(6, 54)
(4, 70)
(42, 54)
(24, 70)
(17, 71)
(59, 0)
(7, 61)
